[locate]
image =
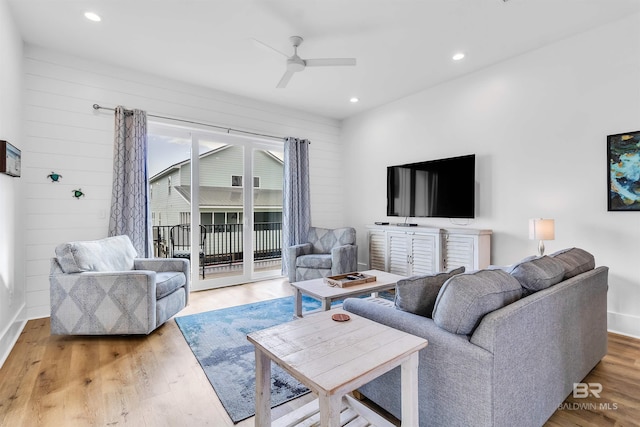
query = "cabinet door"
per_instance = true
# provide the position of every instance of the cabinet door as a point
(459, 251)
(424, 255)
(377, 250)
(398, 254)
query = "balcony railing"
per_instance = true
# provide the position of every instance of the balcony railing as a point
(220, 243)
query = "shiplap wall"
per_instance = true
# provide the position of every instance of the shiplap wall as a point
(12, 297)
(65, 135)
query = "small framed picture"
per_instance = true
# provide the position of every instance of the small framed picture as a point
(10, 158)
(623, 177)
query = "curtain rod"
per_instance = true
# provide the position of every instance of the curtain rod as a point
(228, 129)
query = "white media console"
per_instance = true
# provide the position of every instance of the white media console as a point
(410, 251)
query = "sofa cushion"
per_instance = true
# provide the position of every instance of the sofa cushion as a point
(109, 254)
(168, 281)
(314, 261)
(465, 299)
(537, 273)
(575, 261)
(418, 294)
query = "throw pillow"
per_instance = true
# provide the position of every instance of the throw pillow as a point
(575, 261)
(418, 294)
(465, 299)
(538, 273)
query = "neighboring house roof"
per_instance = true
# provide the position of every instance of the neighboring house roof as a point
(211, 197)
(177, 165)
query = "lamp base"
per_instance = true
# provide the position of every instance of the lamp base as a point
(541, 248)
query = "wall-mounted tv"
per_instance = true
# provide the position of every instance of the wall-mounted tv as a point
(443, 188)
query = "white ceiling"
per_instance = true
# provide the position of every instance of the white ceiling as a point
(401, 46)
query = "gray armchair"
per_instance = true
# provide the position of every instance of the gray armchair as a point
(100, 288)
(327, 253)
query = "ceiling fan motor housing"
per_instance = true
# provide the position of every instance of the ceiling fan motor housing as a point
(295, 63)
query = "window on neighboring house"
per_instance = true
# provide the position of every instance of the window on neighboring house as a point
(169, 185)
(206, 218)
(151, 191)
(236, 181)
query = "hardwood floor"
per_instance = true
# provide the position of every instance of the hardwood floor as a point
(156, 381)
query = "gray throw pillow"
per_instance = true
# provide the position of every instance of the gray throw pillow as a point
(537, 273)
(418, 294)
(465, 299)
(575, 261)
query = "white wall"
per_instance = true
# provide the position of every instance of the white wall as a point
(65, 135)
(12, 297)
(538, 125)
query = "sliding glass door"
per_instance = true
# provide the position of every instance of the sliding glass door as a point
(237, 183)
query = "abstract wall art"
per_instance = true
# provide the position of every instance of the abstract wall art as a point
(623, 176)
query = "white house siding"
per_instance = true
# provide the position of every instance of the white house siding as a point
(263, 167)
(64, 134)
(216, 169)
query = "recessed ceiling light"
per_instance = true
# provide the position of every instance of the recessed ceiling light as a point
(354, 99)
(458, 56)
(92, 16)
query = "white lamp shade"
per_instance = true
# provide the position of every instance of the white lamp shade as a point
(542, 229)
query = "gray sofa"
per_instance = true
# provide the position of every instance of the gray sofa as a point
(100, 287)
(498, 355)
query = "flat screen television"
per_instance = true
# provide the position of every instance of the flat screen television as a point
(443, 188)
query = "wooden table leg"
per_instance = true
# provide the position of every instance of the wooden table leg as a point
(326, 304)
(330, 406)
(263, 389)
(409, 390)
(298, 304)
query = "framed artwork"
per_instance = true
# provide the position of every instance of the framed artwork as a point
(10, 159)
(623, 175)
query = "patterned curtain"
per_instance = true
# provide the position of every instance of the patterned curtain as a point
(129, 199)
(296, 207)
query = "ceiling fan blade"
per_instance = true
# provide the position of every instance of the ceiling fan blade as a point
(265, 46)
(285, 79)
(329, 62)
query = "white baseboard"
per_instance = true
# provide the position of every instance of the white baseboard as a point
(623, 324)
(11, 334)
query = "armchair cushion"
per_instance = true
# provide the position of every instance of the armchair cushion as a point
(314, 261)
(109, 254)
(167, 282)
(324, 239)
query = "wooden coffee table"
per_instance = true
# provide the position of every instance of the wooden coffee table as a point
(318, 289)
(333, 358)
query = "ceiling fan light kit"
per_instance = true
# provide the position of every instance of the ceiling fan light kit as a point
(296, 64)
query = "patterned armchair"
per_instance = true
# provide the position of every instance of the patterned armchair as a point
(100, 288)
(327, 253)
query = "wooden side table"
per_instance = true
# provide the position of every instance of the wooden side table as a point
(333, 358)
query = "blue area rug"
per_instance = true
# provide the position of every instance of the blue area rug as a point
(218, 339)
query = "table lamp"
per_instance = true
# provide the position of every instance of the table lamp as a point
(541, 229)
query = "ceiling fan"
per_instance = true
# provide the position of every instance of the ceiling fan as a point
(295, 63)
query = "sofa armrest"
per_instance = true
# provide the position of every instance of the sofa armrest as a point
(454, 376)
(344, 259)
(105, 302)
(294, 252)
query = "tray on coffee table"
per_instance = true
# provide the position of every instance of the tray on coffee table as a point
(349, 279)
